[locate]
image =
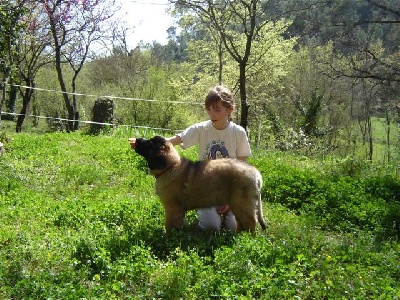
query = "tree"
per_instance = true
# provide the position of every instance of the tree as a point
(10, 15)
(75, 26)
(238, 24)
(31, 55)
(356, 26)
(310, 110)
(365, 56)
(374, 37)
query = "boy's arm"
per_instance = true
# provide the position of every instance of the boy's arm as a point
(175, 140)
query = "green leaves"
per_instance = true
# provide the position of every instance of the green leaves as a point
(342, 196)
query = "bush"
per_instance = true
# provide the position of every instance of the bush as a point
(336, 199)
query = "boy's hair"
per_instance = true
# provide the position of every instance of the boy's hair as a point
(220, 93)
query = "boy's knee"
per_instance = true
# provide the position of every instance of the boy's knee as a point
(209, 219)
(230, 222)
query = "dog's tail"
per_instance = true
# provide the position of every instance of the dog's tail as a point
(260, 216)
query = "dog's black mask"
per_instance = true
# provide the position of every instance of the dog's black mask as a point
(153, 150)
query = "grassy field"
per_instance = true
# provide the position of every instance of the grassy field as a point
(80, 220)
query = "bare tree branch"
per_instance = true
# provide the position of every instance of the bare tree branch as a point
(396, 12)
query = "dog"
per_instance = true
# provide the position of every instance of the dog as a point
(183, 185)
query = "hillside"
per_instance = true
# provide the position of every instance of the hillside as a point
(80, 220)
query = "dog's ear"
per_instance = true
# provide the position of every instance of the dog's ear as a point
(158, 142)
(157, 162)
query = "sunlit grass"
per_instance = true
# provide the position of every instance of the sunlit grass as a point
(80, 219)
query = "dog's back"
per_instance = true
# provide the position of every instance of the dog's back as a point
(219, 182)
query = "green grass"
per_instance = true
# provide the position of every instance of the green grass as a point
(80, 220)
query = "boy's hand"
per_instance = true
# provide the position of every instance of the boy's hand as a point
(223, 209)
(132, 141)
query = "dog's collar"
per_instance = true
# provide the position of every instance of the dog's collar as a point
(163, 171)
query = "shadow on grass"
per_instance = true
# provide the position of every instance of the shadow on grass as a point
(97, 253)
(147, 244)
(190, 238)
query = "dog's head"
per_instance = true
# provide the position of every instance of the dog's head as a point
(154, 151)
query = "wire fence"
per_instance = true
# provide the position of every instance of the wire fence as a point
(90, 122)
(108, 96)
(86, 122)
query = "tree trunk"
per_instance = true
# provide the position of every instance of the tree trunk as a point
(220, 61)
(26, 100)
(60, 76)
(243, 101)
(21, 117)
(388, 121)
(4, 93)
(75, 103)
(370, 140)
(68, 103)
(12, 100)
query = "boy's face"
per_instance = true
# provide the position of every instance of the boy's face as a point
(218, 113)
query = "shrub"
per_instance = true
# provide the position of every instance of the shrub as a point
(344, 199)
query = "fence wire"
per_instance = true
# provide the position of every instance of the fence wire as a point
(58, 119)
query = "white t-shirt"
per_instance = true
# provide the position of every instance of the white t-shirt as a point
(213, 143)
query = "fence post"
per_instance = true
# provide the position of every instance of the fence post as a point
(103, 112)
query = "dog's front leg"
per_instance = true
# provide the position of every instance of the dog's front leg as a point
(174, 217)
